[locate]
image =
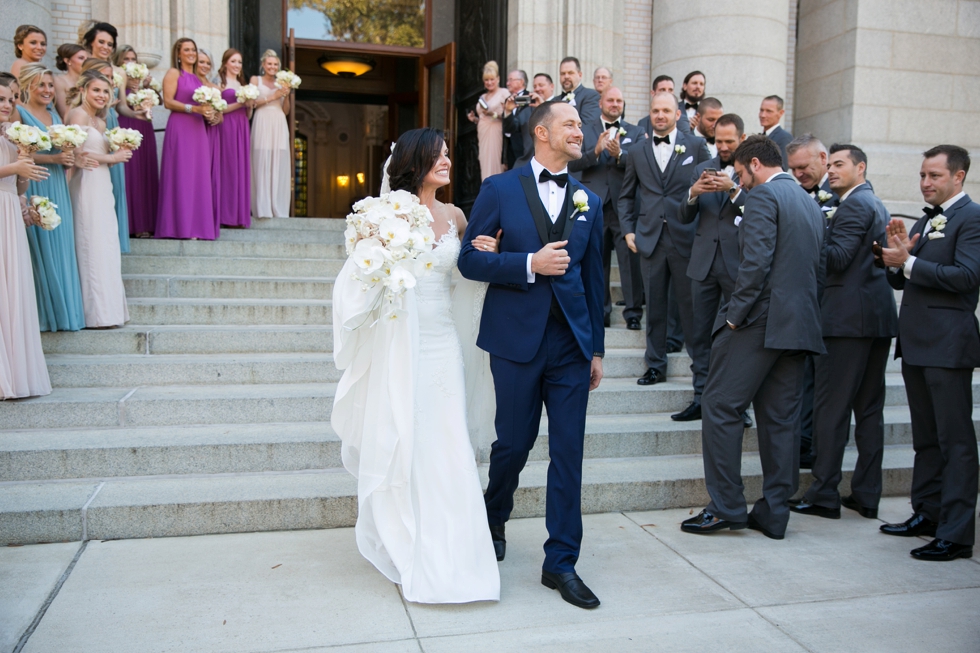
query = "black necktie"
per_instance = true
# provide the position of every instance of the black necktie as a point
(609, 125)
(814, 190)
(561, 179)
(657, 140)
(932, 211)
(692, 105)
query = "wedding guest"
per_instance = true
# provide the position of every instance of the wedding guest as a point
(859, 321)
(142, 171)
(585, 100)
(271, 161)
(664, 84)
(30, 46)
(231, 148)
(186, 208)
(96, 226)
(708, 112)
(56, 282)
(488, 116)
(692, 92)
(70, 58)
(770, 113)
(23, 372)
(543, 89)
(602, 79)
(938, 270)
(516, 117)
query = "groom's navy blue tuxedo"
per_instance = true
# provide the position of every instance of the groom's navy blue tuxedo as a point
(541, 337)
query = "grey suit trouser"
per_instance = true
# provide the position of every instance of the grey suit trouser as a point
(743, 371)
(944, 478)
(707, 297)
(629, 265)
(849, 378)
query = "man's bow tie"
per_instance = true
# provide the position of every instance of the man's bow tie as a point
(657, 140)
(710, 139)
(561, 179)
(691, 105)
(932, 211)
(813, 190)
(610, 125)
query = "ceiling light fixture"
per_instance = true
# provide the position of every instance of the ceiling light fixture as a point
(346, 66)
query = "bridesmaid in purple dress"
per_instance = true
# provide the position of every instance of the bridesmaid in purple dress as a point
(186, 205)
(231, 149)
(142, 171)
(205, 70)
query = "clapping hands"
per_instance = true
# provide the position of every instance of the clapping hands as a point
(899, 244)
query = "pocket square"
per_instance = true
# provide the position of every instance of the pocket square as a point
(738, 219)
(687, 160)
(581, 218)
(626, 140)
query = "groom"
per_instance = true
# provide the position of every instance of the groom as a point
(542, 325)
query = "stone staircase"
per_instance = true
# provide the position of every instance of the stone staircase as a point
(210, 412)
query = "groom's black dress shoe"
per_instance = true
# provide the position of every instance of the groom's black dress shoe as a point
(606, 321)
(689, 414)
(756, 526)
(851, 503)
(650, 377)
(499, 542)
(633, 324)
(746, 420)
(915, 525)
(572, 589)
(804, 507)
(705, 523)
(942, 551)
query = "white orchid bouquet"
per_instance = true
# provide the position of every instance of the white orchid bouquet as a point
(67, 137)
(28, 139)
(209, 95)
(288, 79)
(136, 71)
(47, 211)
(390, 242)
(247, 92)
(144, 99)
(122, 137)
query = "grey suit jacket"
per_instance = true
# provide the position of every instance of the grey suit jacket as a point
(649, 197)
(857, 301)
(782, 138)
(937, 326)
(603, 175)
(716, 229)
(683, 124)
(587, 104)
(780, 242)
(828, 205)
(516, 124)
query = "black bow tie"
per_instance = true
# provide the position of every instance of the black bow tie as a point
(657, 140)
(710, 139)
(691, 105)
(611, 124)
(561, 179)
(813, 190)
(932, 211)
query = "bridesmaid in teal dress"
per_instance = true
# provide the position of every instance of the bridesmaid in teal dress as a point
(56, 283)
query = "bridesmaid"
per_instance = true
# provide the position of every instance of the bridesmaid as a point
(186, 204)
(59, 293)
(230, 148)
(30, 46)
(205, 68)
(97, 234)
(489, 123)
(271, 163)
(70, 58)
(142, 171)
(23, 372)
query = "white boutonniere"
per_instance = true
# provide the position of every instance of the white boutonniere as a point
(570, 96)
(581, 201)
(938, 223)
(831, 212)
(742, 208)
(680, 149)
(823, 196)
(622, 132)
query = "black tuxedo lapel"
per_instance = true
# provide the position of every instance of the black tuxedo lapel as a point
(541, 220)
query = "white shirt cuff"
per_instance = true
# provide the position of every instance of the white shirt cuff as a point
(735, 196)
(530, 275)
(907, 270)
(691, 200)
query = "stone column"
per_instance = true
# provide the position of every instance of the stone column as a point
(594, 35)
(205, 22)
(536, 36)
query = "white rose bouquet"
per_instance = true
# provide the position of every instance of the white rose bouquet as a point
(118, 80)
(122, 137)
(220, 105)
(288, 79)
(144, 99)
(67, 137)
(28, 139)
(247, 92)
(136, 71)
(157, 86)
(47, 210)
(390, 241)
(211, 96)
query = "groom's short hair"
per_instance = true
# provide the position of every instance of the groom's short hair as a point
(542, 115)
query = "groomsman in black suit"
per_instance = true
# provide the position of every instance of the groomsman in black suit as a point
(585, 100)
(692, 92)
(770, 113)
(658, 176)
(708, 112)
(664, 84)
(938, 269)
(859, 320)
(516, 118)
(605, 151)
(773, 316)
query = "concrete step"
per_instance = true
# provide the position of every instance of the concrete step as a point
(307, 235)
(237, 249)
(229, 287)
(137, 507)
(153, 310)
(249, 266)
(287, 224)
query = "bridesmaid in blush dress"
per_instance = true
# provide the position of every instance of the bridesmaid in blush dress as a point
(488, 117)
(186, 203)
(230, 149)
(142, 171)
(271, 164)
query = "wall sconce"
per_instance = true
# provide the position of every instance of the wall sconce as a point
(360, 177)
(346, 66)
(343, 181)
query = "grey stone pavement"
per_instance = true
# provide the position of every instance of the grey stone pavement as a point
(829, 586)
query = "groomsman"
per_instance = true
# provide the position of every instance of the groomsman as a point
(602, 79)
(692, 92)
(715, 202)
(859, 320)
(516, 137)
(658, 176)
(938, 269)
(708, 112)
(664, 84)
(585, 100)
(770, 113)
(773, 316)
(601, 169)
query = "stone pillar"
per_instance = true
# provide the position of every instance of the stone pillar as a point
(205, 22)
(635, 78)
(25, 12)
(536, 36)
(594, 34)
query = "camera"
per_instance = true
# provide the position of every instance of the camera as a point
(522, 100)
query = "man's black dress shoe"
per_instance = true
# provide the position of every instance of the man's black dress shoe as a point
(633, 324)
(942, 551)
(606, 321)
(851, 503)
(746, 420)
(806, 508)
(650, 378)
(705, 523)
(621, 302)
(689, 414)
(499, 542)
(673, 349)
(756, 526)
(915, 525)
(572, 589)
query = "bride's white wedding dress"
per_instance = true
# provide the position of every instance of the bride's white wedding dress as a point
(400, 410)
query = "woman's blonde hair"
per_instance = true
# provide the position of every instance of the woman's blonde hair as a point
(491, 70)
(117, 56)
(28, 75)
(21, 34)
(266, 55)
(76, 94)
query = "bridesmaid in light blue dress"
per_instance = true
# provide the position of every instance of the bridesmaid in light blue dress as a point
(56, 282)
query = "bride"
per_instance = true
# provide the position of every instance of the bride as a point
(401, 408)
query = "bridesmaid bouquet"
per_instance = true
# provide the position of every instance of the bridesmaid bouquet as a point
(122, 137)
(212, 96)
(288, 79)
(157, 86)
(118, 80)
(67, 137)
(46, 212)
(247, 92)
(28, 139)
(136, 71)
(144, 99)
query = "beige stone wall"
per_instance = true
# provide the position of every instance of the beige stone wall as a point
(635, 78)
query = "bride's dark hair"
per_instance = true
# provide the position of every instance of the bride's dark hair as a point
(415, 153)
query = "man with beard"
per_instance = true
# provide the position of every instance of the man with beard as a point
(708, 112)
(692, 92)
(664, 84)
(585, 100)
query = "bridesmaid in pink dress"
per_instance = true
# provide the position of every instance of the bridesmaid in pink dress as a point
(231, 149)
(488, 117)
(271, 163)
(186, 203)
(142, 171)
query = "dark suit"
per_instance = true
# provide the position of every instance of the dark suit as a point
(519, 140)
(939, 344)
(586, 103)
(777, 314)
(714, 263)
(858, 321)
(648, 208)
(603, 175)
(782, 138)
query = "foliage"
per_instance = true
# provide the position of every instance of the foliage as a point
(381, 22)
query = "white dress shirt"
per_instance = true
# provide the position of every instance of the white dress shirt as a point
(910, 261)
(712, 148)
(663, 151)
(552, 197)
(850, 190)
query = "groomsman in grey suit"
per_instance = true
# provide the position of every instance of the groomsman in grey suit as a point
(658, 176)
(772, 318)
(605, 151)
(770, 113)
(664, 84)
(585, 100)
(938, 269)
(859, 320)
